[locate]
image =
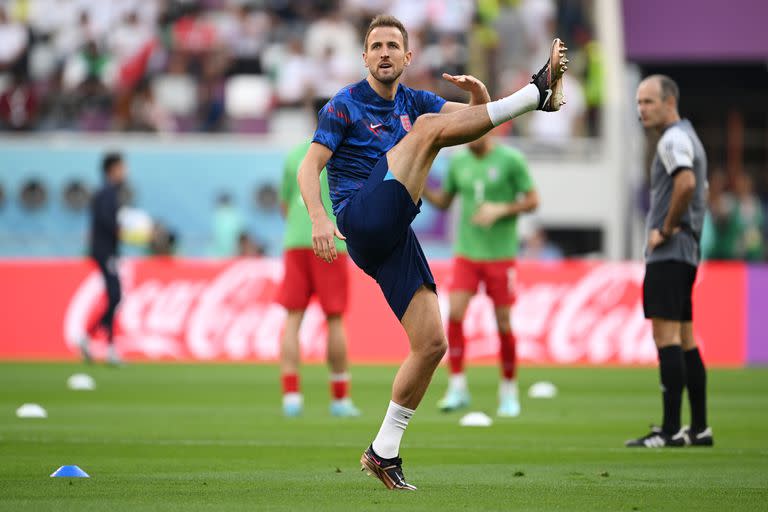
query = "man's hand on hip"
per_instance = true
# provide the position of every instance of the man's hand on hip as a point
(656, 238)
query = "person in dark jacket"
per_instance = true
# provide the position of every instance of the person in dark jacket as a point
(104, 237)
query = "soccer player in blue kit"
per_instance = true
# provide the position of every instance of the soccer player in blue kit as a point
(378, 139)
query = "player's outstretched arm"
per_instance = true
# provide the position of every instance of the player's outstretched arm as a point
(323, 228)
(477, 90)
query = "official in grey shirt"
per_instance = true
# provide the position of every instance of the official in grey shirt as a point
(674, 223)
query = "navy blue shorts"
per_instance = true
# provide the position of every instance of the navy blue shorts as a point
(377, 224)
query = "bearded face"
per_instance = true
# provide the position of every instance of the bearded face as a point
(386, 57)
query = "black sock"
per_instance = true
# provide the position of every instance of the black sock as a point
(672, 370)
(696, 382)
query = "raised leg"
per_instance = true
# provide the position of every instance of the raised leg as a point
(411, 159)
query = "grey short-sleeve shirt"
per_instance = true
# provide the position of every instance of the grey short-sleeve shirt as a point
(678, 148)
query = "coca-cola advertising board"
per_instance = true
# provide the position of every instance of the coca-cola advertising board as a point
(574, 312)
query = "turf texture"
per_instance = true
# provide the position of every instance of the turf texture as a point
(212, 437)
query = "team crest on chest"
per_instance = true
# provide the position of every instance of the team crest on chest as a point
(406, 122)
(493, 174)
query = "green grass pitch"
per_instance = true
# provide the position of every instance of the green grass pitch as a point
(211, 437)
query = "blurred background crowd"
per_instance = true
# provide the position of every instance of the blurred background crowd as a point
(233, 65)
(261, 69)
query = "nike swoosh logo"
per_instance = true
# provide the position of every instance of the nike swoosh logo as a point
(374, 126)
(549, 93)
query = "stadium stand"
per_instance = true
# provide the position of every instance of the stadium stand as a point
(258, 67)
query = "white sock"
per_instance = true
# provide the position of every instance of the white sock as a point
(520, 102)
(387, 442)
(508, 387)
(458, 382)
(293, 399)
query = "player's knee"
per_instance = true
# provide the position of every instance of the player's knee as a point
(435, 348)
(503, 324)
(456, 313)
(427, 126)
(425, 121)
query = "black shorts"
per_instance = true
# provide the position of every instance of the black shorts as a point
(667, 290)
(377, 225)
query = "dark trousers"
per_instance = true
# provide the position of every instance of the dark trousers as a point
(108, 268)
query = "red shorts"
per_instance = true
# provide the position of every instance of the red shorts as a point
(307, 275)
(499, 278)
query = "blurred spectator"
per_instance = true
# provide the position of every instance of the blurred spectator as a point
(448, 55)
(86, 80)
(70, 38)
(149, 11)
(47, 17)
(227, 226)
(572, 21)
(163, 241)
(192, 34)
(246, 36)
(414, 14)
(539, 19)
(147, 114)
(360, 12)
(451, 16)
(538, 247)
(441, 16)
(247, 247)
(131, 44)
(721, 229)
(129, 38)
(482, 44)
(734, 226)
(19, 105)
(332, 35)
(89, 64)
(292, 75)
(749, 214)
(211, 91)
(336, 71)
(510, 49)
(594, 86)
(14, 45)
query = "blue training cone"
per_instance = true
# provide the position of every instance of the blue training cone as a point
(70, 472)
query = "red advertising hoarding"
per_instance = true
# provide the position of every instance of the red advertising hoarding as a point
(196, 310)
